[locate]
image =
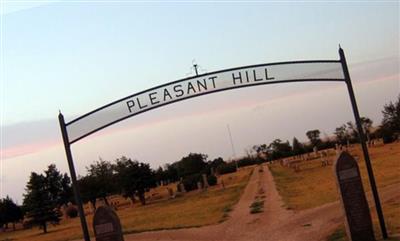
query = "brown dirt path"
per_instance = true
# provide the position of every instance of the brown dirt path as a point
(274, 224)
(241, 225)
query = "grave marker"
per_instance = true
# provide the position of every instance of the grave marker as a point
(199, 185)
(205, 181)
(352, 196)
(106, 225)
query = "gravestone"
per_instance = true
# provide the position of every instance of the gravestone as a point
(315, 149)
(337, 149)
(205, 181)
(182, 187)
(106, 225)
(170, 192)
(199, 185)
(352, 196)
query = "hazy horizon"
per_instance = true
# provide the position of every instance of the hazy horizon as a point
(91, 54)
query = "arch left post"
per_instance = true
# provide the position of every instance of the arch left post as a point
(78, 200)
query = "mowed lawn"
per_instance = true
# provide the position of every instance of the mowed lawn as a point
(196, 208)
(315, 185)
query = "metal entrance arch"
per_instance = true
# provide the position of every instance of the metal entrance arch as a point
(246, 76)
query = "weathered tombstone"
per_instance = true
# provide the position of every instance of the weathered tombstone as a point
(106, 225)
(171, 193)
(205, 181)
(296, 167)
(354, 203)
(182, 187)
(199, 185)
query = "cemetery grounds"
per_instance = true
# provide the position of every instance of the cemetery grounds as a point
(192, 209)
(306, 186)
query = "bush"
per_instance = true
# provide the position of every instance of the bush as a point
(71, 212)
(190, 182)
(248, 161)
(212, 180)
(387, 135)
(226, 168)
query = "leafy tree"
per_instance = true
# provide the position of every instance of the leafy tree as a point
(352, 130)
(9, 212)
(342, 135)
(171, 173)
(386, 134)
(248, 161)
(366, 124)
(160, 175)
(391, 115)
(297, 147)
(88, 187)
(390, 125)
(229, 167)
(2, 214)
(192, 164)
(261, 150)
(313, 136)
(134, 178)
(279, 149)
(58, 185)
(41, 207)
(66, 194)
(102, 173)
(216, 162)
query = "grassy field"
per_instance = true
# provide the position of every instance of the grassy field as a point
(193, 209)
(315, 185)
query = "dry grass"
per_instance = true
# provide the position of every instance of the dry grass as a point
(315, 185)
(193, 209)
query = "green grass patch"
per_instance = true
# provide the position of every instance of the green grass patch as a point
(257, 206)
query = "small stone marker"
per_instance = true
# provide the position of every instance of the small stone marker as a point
(106, 225)
(171, 193)
(182, 187)
(222, 183)
(205, 181)
(354, 202)
(199, 185)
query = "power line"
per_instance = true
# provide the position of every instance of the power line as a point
(233, 147)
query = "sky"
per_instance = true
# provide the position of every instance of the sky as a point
(76, 56)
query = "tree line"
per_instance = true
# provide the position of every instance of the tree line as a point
(388, 131)
(46, 193)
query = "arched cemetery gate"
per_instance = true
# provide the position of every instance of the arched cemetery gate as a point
(262, 74)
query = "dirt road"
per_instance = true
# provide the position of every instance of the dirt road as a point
(274, 224)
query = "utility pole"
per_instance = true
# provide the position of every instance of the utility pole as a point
(233, 147)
